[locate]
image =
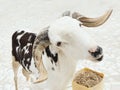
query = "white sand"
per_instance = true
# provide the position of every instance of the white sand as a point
(35, 14)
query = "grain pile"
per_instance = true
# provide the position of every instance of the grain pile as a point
(88, 78)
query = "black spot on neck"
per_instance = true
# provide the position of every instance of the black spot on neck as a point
(54, 57)
(53, 68)
(43, 52)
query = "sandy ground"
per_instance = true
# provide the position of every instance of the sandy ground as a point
(35, 14)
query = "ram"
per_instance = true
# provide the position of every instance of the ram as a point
(52, 55)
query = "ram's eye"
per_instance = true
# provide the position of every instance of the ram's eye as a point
(58, 43)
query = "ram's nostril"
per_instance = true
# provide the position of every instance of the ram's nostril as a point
(96, 52)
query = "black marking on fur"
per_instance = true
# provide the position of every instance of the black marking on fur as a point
(54, 57)
(53, 68)
(51, 61)
(43, 52)
(22, 44)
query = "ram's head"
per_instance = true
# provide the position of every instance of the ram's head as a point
(69, 40)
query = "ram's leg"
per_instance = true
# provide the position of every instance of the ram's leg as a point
(15, 66)
(26, 74)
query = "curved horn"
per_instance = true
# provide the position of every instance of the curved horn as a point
(92, 22)
(40, 43)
